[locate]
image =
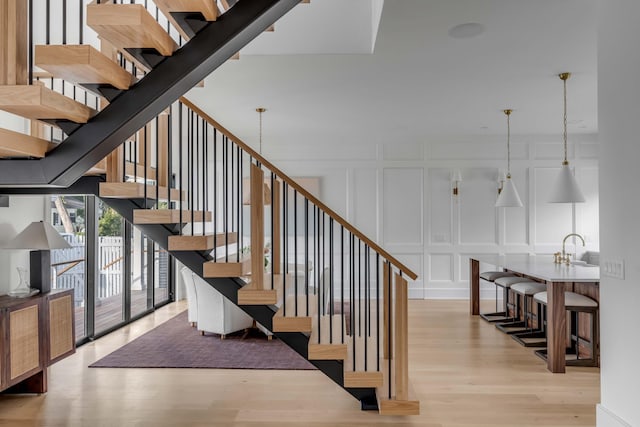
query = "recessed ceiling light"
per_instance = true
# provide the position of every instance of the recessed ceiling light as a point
(466, 31)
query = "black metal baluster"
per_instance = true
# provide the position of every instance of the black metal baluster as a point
(377, 312)
(330, 280)
(366, 305)
(273, 221)
(170, 183)
(233, 193)
(320, 275)
(180, 166)
(306, 253)
(225, 190)
(144, 175)
(285, 243)
(196, 172)
(157, 177)
(48, 22)
(31, 42)
(295, 248)
(64, 21)
(205, 167)
(342, 282)
(390, 326)
(81, 26)
(215, 192)
(192, 176)
(359, 288)
(240, 200)
(352, 251)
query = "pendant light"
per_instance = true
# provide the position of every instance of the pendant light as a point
(509, 195)
(566, 188)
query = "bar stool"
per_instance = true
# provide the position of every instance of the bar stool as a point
(518, 285)
(526, 289)
(492, 276)
(576, 304)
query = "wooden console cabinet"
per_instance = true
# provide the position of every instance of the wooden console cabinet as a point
(34, 333)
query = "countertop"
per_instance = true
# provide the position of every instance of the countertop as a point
(542, 267)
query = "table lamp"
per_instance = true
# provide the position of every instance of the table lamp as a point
(40, 237)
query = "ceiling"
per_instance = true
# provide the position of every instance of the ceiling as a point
(419, 83)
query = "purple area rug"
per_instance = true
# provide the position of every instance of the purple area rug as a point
(175, 344)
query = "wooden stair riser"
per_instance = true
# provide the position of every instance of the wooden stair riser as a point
(201, 243)
(81, 64)
(257, 297)
(327, 352)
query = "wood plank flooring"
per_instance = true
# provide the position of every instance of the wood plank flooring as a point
(464, 371)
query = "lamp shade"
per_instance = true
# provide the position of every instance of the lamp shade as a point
(566, 188)
(38, 235)
(508, 197)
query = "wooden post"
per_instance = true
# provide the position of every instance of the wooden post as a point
(474, 286)
(257, 228)
(13, 42)
(401, 351)
(386, 310)
(276, 264)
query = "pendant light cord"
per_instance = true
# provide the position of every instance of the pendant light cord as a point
(260, 110)
(508, 113)
(564, 77)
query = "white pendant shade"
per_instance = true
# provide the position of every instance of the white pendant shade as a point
(508, 197)
(40, 236)
(566, 188)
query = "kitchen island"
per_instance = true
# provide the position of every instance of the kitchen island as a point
(558, 278)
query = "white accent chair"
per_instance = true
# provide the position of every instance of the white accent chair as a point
(192, 301)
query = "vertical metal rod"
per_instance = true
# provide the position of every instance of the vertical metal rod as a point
(192, 174)
(48, 22)
(366, 304)
(306, 253)
(205, 166)
(330, 279)
(389, 322)
(238, 204)
(233, 193)
(196, 172)
(180, 181)
(157, 122)
(81, 26)
(352, 250)
(285, 241)
(273, 221)
(215, 192)
(64, 21)
(342, 281)
(225, 189)
(240, 199)
(324, 262)
(359, 288)
(321, 275)
(295, 248)
(170, 183)
(377, 311)
(146, 165)
(31, 42)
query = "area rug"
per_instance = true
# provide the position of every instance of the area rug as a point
(175, 344)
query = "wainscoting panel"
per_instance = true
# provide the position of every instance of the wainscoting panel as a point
(440, 207)
(403, 205)
(363, 201)
(441, 267)
(476, 200)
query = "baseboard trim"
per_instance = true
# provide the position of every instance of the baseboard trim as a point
(606, 418)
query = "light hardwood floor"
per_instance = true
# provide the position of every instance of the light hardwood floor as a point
(463, 370)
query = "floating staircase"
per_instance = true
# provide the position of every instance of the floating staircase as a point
(363, 348)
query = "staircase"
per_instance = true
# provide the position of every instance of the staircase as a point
(216, 205)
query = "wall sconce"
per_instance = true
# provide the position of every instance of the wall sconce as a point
(456, 179)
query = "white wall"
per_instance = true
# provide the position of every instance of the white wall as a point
(400, 195)
(22, 211)
(618, 112)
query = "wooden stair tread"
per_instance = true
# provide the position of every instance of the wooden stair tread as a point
(81, 64)
(263, 293)
(168, 216)
(135, 190)
(16, 144)
(39, 103)
(129, 26)
(207, 8)
(325, 348)
(230, 268)
(201, 242)
(286, 320)
(390, 406)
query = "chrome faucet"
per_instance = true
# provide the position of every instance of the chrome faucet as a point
(565, 257)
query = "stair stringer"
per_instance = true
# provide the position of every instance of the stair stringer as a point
(166, 83)
(229, 287)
